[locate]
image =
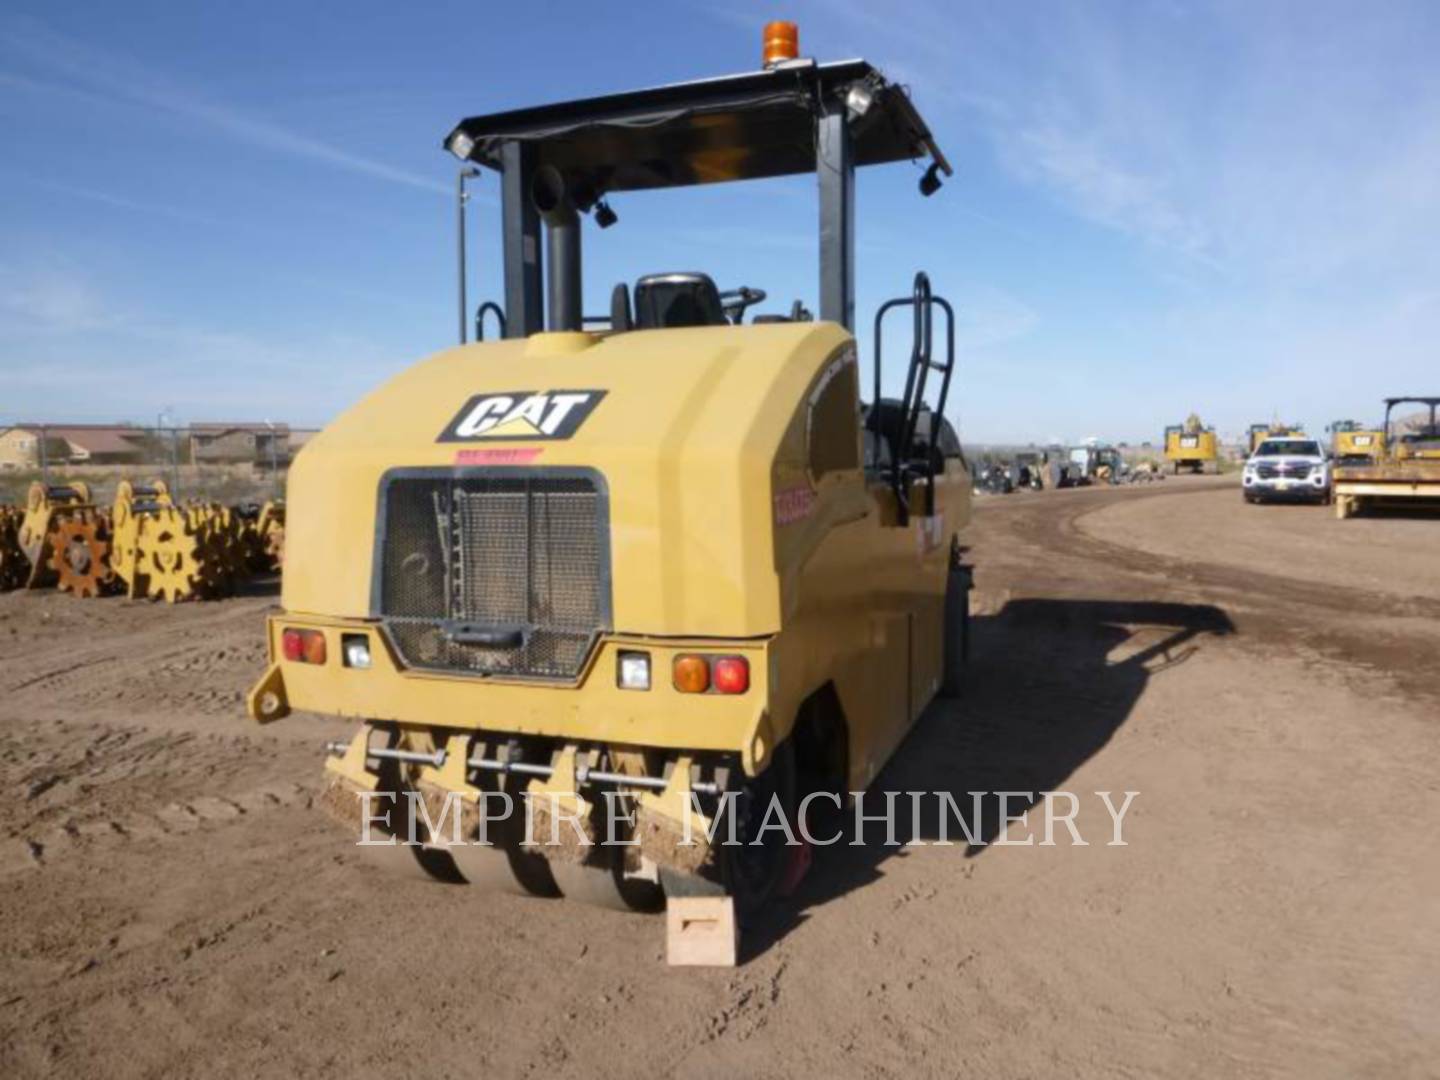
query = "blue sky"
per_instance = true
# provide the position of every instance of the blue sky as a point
(242, 211)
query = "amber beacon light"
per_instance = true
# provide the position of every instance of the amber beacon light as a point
(782, 42)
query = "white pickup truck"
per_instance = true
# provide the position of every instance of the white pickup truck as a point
(1290, 467)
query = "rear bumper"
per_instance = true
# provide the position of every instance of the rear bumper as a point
(592, 710)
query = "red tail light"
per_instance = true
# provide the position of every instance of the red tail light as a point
(730, 675)
(292, 645)
(303, 646)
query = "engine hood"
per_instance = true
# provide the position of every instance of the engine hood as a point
(684, 425)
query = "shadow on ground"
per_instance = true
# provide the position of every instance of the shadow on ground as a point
(1050, 681)
(259, 585)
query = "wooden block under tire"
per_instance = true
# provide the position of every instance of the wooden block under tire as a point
(700, 931)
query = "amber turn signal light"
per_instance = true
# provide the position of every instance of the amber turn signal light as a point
(691, 674)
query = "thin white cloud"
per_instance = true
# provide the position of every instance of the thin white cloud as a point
(89, 356)
(89, 68)
(1269, 145)
(50, 300)
(118, 202)
(1102, 189)
(987, 317)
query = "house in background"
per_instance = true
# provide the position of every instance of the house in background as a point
(71, 444)
(239, 443)
(19, 448)
(102, 444)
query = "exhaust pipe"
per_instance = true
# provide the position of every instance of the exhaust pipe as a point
(562, 230)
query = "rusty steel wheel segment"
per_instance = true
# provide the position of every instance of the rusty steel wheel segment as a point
(80, 556)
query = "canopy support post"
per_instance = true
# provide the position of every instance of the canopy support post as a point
(521, 234)
(835, 167)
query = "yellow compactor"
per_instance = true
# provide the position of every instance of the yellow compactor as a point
(1192, 446)
(1406, 472)
(602, 587)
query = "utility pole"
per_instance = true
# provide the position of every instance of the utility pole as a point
(467, 173)
(160, 425)
(274, 461)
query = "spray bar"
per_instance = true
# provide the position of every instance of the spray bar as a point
(583, 775)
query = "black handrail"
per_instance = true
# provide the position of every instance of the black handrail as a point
(490, 307)
(922, 300)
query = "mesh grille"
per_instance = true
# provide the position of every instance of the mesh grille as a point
(521, 555)
(1287, 472)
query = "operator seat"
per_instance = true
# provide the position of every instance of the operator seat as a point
(664, 301)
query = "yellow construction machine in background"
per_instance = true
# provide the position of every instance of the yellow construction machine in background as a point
(1258, 433)
(1192, 446)
(1352, 443)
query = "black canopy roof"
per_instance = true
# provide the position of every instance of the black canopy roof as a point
(738, 127)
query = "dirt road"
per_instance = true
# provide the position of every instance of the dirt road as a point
(173, 906)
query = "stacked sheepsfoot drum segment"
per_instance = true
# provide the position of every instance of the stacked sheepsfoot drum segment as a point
(47, 508)
(268, 538)
(79, 552)
(14, 568)
(145, 545)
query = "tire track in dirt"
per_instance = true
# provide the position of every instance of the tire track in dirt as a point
(74, 826)
(150, 639)
(1337, 599)
(1350, 627)
(140, 733)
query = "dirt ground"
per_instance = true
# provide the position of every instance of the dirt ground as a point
(1264, 677)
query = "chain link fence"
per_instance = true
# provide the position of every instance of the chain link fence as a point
(226, 463)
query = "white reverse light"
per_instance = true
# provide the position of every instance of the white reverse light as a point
(634, 671)
(356, 649)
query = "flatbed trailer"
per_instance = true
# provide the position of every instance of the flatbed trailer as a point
(1405, 473)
